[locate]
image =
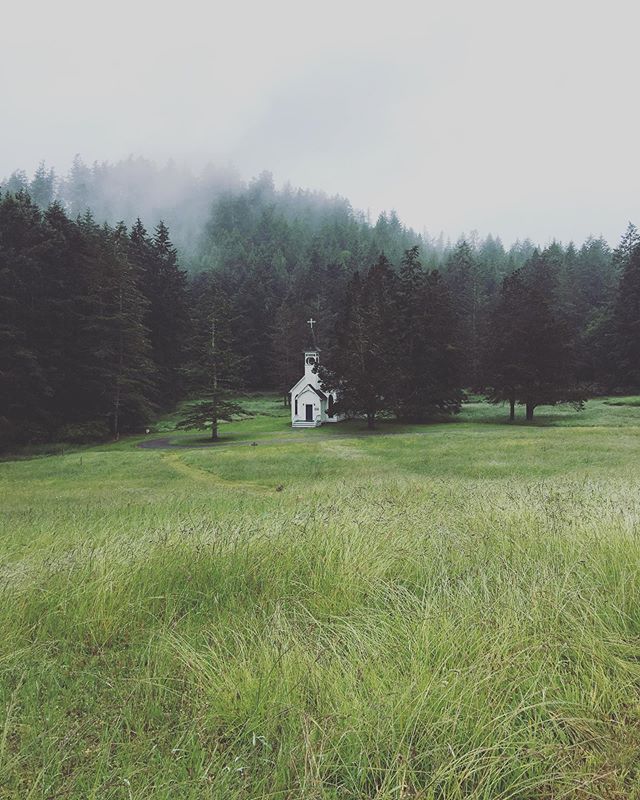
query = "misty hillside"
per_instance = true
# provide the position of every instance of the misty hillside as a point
(216, 219)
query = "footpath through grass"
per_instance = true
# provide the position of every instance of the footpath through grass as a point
(452, 612)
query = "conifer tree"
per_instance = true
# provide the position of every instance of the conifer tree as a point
(214, 368)
(504, 369)
(77, 189)
(18, 182)
(171, 327)
(440, 375)
(428, 359)
(462, 279)
(65, 277)
(42, 186)
(164, 286)
(627, 311)
(287, 337)
(95, 307)
(364, 367)
(531, 350)
(628, 244)
(129, 368)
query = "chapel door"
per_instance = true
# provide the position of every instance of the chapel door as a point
(309, 410)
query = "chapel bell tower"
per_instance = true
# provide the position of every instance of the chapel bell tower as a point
(311, 359)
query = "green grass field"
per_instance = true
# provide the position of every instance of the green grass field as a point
(452, 611)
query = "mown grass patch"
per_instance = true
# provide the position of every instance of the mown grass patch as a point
(634, 402)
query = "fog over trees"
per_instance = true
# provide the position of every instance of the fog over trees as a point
(131, 189)
(113, 277)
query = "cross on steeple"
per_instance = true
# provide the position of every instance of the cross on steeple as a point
(311, 322)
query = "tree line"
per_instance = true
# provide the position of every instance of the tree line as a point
(102, 326)
(563, 326)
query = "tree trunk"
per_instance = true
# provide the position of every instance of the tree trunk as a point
(214, 376)
(512, 409)
(371, 419)
(530, 407)
(116, 414)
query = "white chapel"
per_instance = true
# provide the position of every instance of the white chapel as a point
(311, 406)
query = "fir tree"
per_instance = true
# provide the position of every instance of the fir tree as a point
(428, 359)
(287, 336)
(167, 318)
(627, 312)
(214, 368)
(129, 369)
(364, 367)
(531, 353)
(504, 369)
(463, 281)
(42, 186)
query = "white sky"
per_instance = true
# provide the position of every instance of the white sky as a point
(513, 117)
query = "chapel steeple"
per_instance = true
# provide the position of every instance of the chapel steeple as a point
(311, 353)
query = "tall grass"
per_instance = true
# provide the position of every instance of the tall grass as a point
(374, 633)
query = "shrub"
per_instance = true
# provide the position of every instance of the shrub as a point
(83, 432)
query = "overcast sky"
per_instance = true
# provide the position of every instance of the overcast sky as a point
(513, 117)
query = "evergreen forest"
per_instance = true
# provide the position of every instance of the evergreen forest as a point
(125, 289)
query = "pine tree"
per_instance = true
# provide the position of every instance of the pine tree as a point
(42, 186)
(171, 327)
(128, 366)
(95, 306)
(165, 288)
(503, 364)
(214, 368)
(77, 189)
(287, 335)
(64, 316)
(18, 183)
(428, 359)
(628, 244)
(364, 367)
(627, 311)
(463, 282)
(440, 375)
(531, 353)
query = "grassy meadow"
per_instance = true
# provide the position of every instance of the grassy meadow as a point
(451, 611)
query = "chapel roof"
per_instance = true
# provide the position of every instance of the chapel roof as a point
(319, 392)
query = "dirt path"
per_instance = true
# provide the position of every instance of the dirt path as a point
(210, 478)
